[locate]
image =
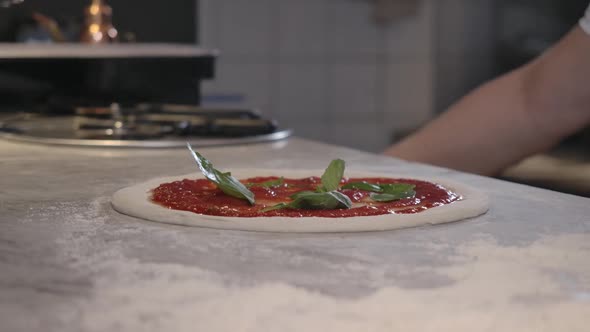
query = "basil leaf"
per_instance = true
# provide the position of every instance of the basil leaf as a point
(394, 191)
(275, 207)
(224, 181)
(396, 188)
(390, 197)
(308, 200)
(269, 184)
(301, 193)
(332, 176)
(363, 186)
(321, 201)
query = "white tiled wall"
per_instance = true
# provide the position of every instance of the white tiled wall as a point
(322, 67)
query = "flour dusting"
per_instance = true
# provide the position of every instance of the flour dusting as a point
(190, 299)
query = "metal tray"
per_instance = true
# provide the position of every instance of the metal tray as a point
(60, 130)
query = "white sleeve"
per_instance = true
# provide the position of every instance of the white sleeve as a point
(585, 21)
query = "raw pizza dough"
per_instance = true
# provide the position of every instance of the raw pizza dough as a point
(135, 201)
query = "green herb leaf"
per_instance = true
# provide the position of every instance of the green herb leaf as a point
(363, 186)
(393, 192)
(389, 197)
(332, 176)
(396, 188)
(224, 181)
(268, 184)
(301, 193)
(308, 200)
(275, 207)
(325, 197)
(321, 201)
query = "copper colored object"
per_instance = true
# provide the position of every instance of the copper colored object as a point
(98, 27)
(50, 26)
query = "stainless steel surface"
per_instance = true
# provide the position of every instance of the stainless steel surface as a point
(68, 262)
(74, 51)
(96, 132)
(163, 143)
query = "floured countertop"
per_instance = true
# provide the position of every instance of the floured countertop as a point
(68, 262)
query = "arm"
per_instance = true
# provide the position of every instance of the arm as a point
(521, 113)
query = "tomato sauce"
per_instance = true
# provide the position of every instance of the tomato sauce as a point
(203, 197)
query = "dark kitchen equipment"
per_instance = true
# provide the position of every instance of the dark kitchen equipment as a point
(105, 93)
(128, 95)
(52, 78)
(146, 126)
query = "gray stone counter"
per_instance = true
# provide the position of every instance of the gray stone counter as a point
(69, 262)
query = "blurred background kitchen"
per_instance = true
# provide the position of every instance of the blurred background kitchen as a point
(358, 73)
